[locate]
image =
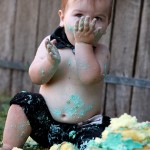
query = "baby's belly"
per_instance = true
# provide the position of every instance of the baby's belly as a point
(71, 104)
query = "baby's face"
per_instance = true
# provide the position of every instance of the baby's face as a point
(75, 9)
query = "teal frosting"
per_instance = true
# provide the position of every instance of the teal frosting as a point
(115, 141)
(75, 105)
(92, 143)
(144, 125)
(72, 134)
(71, 28)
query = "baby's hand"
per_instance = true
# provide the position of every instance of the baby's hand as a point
(52, 50)
(85, 31)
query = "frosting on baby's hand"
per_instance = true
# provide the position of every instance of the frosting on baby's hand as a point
(52, 50)
(86, 32)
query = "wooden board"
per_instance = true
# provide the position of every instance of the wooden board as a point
(29, 54)
(7, 21)
(48, 18)
(141, 96)
(25, 41)
(123, 48)
(106, 40)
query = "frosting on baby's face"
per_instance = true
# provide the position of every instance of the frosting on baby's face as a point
(75, 9)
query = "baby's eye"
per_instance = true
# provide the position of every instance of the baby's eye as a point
(99, 18)
(79, 15)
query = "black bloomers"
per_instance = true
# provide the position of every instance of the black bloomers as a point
(46, 131)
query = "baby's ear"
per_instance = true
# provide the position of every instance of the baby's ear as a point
(61, 16)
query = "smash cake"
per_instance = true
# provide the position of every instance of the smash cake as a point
(124, 133)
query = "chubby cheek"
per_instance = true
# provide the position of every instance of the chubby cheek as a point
(69, 24)
(69, 29)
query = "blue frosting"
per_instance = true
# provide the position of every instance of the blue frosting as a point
(115, 141)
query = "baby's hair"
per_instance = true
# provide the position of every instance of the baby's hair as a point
(63, 4)
(91, 2)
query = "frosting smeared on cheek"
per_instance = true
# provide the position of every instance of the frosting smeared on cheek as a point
(70, 28)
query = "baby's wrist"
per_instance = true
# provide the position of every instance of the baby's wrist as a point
(89, 42)
(83, 44)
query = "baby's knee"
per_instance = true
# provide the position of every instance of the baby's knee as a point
(17, 115)
(16, 109)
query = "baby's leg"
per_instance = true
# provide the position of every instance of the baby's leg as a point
(17, 128)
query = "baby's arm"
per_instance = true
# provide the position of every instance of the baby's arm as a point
(86, 37)
(45, 63)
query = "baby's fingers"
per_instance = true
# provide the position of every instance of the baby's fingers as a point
(92, 25)
(46, 42)
(81, 24)
(86, 23)
(76, 26)
(53, 42)
(55, 57)
(99, 32)
(48, 45)
(53, 49)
